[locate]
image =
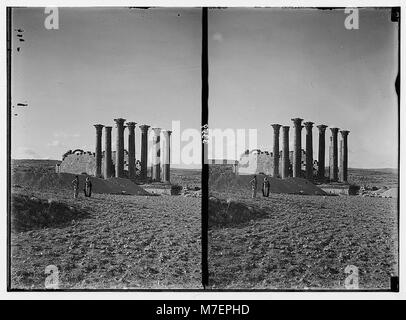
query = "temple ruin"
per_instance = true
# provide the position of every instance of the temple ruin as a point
(299, 162)
(122, 163)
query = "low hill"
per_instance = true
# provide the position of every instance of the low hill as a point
(34, 165)
(63, 181)
(226, 181)
(379, 178)
(186, 177)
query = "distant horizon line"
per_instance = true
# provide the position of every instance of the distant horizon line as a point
(189, 168)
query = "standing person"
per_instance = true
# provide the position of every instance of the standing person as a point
(75, 184)
(265, 187)
(253, 183)
(88, 187)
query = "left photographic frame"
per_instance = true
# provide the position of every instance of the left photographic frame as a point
(104, 148)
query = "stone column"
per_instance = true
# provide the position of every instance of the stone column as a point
(276, 128)
(98, 151)
(309, 150)
(322, 151)
(344, 156)
(330, 158)
(131, 149)
(297, 147)
(144, 151)
(120, 147)
(107, 153)
(156, 155)
(166, 147)
(340, 159)
(334, 155)
(285, 152)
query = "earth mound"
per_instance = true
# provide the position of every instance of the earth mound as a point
(63, 181)
(29, 213)
(228, 212)
(228, 181)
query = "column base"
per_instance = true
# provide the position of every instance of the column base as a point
(166, 173)
(156, 176)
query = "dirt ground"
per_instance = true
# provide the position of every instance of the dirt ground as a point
(143, 242)
(125, 242)
(306, 242)
(118, 242)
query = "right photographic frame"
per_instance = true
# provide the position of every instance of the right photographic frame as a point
(303, 152)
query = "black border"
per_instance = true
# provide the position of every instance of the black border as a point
(395, 286)
(9, 47)
(205, 166)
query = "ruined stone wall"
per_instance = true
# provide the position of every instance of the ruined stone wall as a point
(80, 162)
(248, 164)
(257, 162)
(265, 163)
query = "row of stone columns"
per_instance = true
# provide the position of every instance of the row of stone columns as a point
(297, 151)
(119, 165)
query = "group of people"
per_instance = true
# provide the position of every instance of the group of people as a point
(87, 189)
(265, 187)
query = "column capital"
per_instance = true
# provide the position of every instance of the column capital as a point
(297, 121)
(108, 128)
(131, 125)
(322, 128)
(308, 124)
(157, 131)
(344, 133)
(98, 127)
(334, 131)
(144, 127)
(276, 126)
(167, 132)
(119, 121)
(286, 128)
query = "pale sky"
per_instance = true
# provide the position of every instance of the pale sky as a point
(265, 66)
(271, 65)
(101, 64)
